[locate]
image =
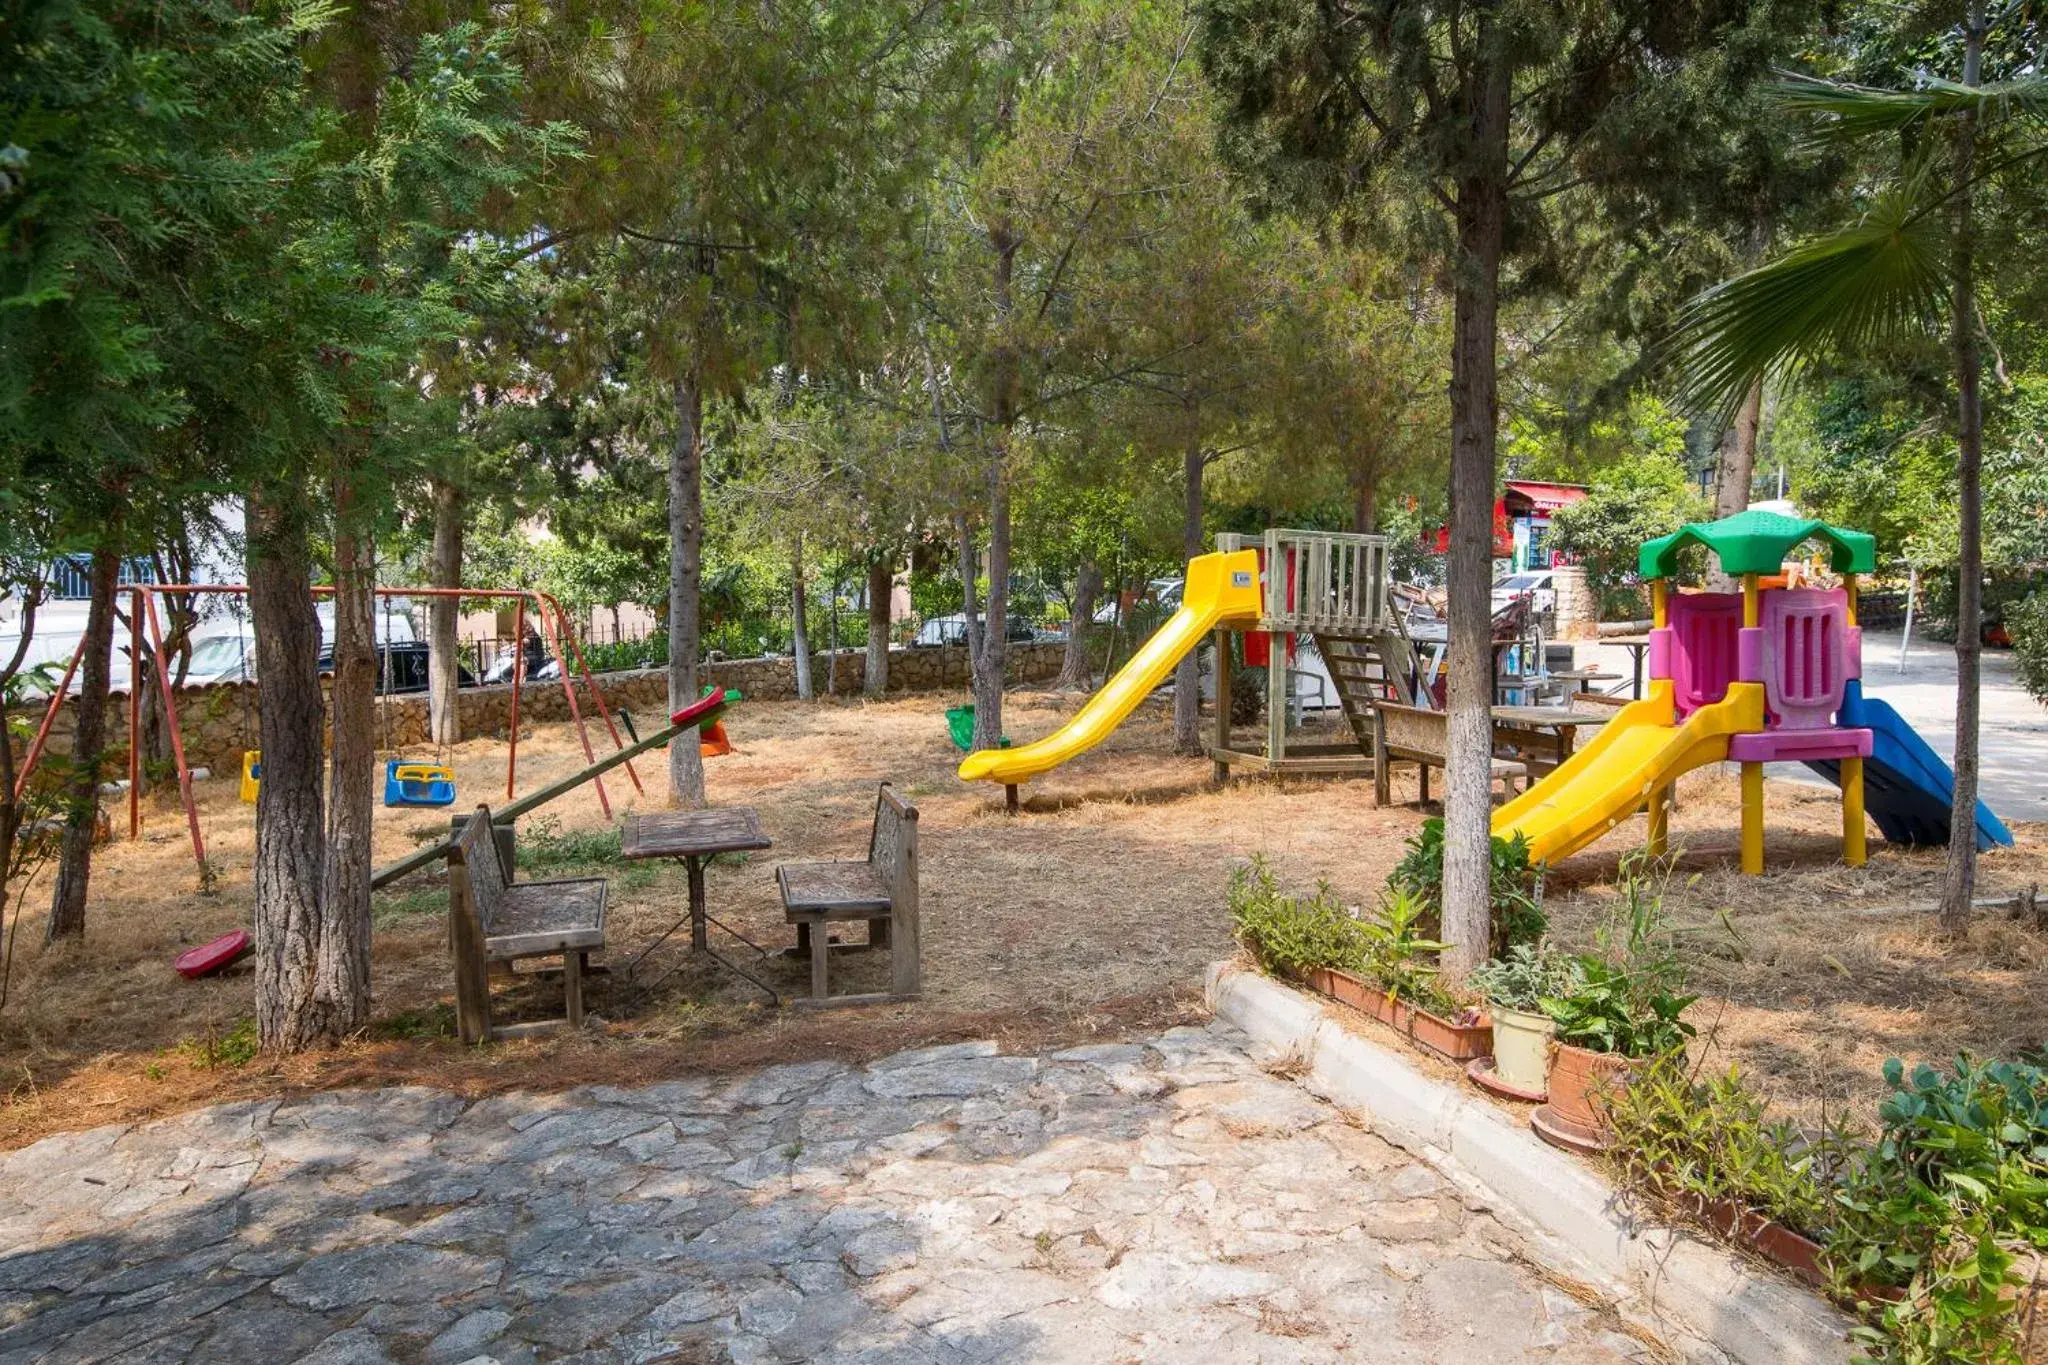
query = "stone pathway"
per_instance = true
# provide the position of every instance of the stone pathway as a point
(1156, 1201)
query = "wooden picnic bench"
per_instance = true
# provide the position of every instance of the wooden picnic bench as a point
(1418, 735)
(493, 922)
(880, 888)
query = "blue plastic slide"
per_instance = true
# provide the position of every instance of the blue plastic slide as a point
(1906, 786)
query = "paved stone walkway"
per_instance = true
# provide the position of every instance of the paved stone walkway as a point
(1163, 1201)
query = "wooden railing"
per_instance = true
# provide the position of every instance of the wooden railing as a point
(1320, 580)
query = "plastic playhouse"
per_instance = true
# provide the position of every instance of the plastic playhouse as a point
(1758, 676)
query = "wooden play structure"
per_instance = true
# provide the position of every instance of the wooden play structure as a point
(1331, 588)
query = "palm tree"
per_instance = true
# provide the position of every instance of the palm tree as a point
(1904, 268)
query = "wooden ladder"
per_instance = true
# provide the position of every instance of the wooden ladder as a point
(1358, 664)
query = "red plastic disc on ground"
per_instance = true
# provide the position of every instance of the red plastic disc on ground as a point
(700, 708)
(208, 958)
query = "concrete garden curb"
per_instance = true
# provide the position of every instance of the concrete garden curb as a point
(1701, 1299)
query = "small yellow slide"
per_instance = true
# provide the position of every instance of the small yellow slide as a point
(1643, 748)
(1220, 588)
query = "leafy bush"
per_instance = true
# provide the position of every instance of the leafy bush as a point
(2028, 621)
(1627, 999)
(1947, 1206)
(1528, 975)
(1676, 1136)
(1291, 935)
(1631, 501)
(1516, 916)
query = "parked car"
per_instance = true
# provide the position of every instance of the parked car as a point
(1165, 591)
(405, 668)
(1534, 584)
(952, 630)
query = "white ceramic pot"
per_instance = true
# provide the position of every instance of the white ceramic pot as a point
(1521, 1048)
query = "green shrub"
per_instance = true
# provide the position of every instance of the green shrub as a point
(1291, 935)
(1931, 1228)
(1287, 934)
(1626, 1000)
(2028, 621)
(1947, 1206)
(1516, 915)
(1530, 973)
(1678, 1136)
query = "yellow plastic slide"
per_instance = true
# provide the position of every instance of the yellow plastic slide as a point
(1638, 751)
(1220, 588)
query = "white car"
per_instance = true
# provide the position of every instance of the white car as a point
(1534, 584)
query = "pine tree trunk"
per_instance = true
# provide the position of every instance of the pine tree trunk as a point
(991, 661)
(342, 964)
(685, 580)
(291, 1000)
(1736, 467)
(881, 584)
(1365, 503)
(1475, 404)
(88, 759)
(799, 624)
(1187, 674)
(1076, 672)
(444, 615)
(970, 613)
(991, 657)
(1960, 881)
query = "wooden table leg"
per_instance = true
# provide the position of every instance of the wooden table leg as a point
(699, 937)
(572, 988)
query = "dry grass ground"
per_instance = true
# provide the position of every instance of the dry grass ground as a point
(1090, 915)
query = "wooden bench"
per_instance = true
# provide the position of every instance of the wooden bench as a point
(1416, 735)
(493, 922)
(881, 889)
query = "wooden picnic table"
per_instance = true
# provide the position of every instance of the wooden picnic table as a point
(693, 838)
(1517, 726)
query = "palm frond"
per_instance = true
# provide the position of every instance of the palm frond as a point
(1875, 281)
(1858, 112)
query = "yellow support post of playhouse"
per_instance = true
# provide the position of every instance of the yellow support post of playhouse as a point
(1660, 602)
(1854, 849)
(1849, 588)
(1752, 818)
(1660, 821)
(1752, 603)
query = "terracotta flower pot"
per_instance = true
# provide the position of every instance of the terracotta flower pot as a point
(1579, 1078)
(1521, 1049)
(1459, 1042)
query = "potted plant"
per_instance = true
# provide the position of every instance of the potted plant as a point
(1623, 1009)
(1379, 964)
(1515, 988)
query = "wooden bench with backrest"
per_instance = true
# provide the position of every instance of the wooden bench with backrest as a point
(881, 889)
(495, 921)
(1417, 735)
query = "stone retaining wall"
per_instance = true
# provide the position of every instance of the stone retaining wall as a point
(219, 721)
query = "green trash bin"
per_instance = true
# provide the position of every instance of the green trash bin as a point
(960, 721)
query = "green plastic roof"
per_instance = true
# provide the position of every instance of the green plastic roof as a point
(1757, 542)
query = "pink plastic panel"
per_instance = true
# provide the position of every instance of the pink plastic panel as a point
(1660, 653)
(1706, 628)
(1806, 655)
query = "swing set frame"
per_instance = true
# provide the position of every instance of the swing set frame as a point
(548, 614)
